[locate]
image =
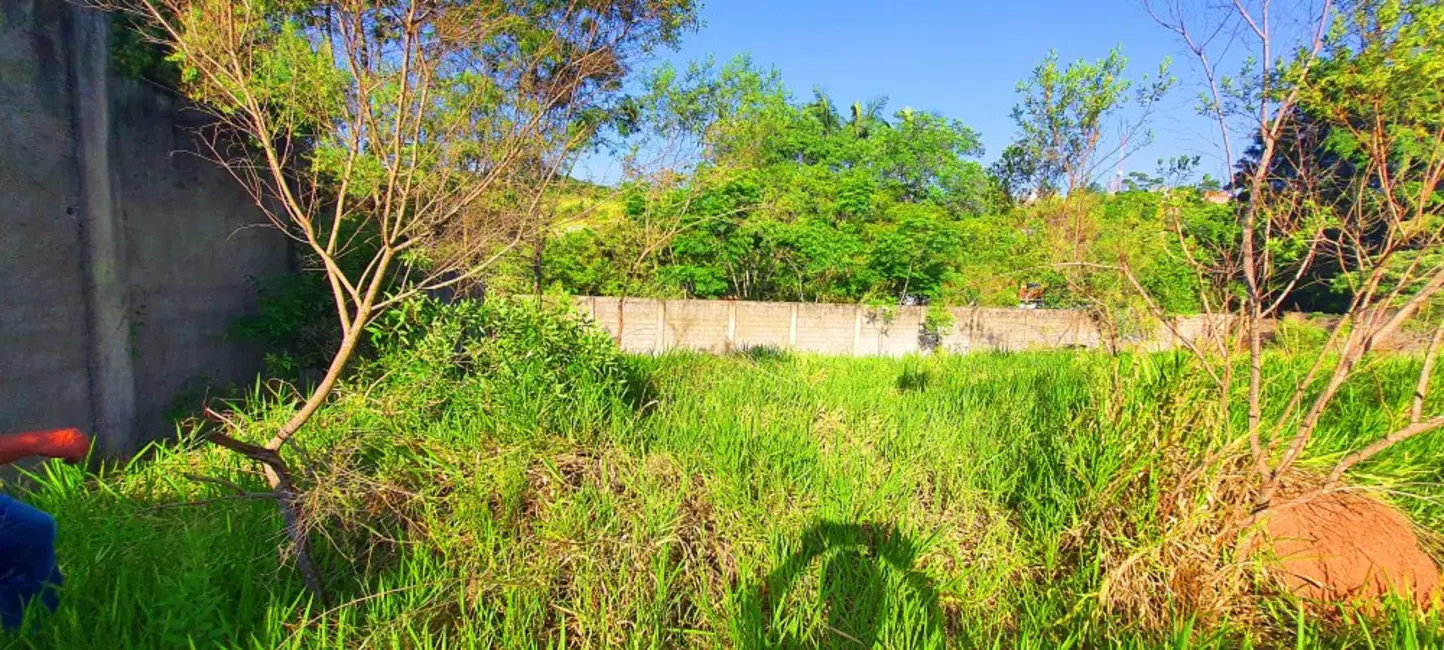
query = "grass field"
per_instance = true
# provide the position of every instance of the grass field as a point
(746, 501)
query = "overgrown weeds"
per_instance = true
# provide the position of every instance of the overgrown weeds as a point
(472, 487)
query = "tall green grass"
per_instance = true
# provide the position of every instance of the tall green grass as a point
(754, 500)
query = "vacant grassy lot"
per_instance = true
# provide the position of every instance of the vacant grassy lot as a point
(753, 501)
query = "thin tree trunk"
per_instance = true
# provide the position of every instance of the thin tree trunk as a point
(275, 468)
(538, 253)
(323, 390)
(1255, 387)
(1422, 389)
(1349, 357)
(279, 476)
(300, 541)
(1255, 324)
(621, 318)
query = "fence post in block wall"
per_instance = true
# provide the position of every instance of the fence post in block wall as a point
(731, 342)
(792, 328)
(659, 345)
(974, 328)
(857, 331)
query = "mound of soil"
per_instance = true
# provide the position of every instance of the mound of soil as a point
(1342, 546)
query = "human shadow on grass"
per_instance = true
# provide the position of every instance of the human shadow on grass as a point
(871, 593)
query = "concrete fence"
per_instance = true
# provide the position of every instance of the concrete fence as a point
(657, 326)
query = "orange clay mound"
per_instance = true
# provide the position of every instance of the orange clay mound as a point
(1342, 546)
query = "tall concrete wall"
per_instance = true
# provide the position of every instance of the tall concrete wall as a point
(44, 333)
(123, 256)
(851, 330)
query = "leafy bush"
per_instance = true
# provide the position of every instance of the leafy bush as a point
(295, 322)
(503, 336)
(544, 364)
(937, 323)
(1297, 334)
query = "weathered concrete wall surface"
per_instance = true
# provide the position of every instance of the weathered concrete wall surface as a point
(193, 238)
(855, 330)
(123, 256)
(43, 324)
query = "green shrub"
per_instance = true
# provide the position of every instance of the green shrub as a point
(541, 365)
(295, 322)
(1296, 335)
(502, 339)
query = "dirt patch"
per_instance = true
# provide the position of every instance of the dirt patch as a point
(1343, 546)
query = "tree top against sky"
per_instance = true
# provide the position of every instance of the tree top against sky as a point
(962, 60)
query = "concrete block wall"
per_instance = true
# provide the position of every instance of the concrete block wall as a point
(193, 238)
(656, 326)
(826, 329)
(761, 324)
(858, 330)
(695, 325)
(125, 256)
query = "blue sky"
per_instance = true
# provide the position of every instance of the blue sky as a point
(960, 58)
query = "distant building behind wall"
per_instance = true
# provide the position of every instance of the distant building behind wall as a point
(124, 257)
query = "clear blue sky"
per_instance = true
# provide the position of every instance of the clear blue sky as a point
(960, 58)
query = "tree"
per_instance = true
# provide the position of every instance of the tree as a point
(785, 199)
(1016, 173)
(824, 111)
(414, 135)
(913, 255)
(1064, 114)
(1366, 79)
(683, 134)
(1066, 118)
(1304, 157)
(866, 118)
(925, 158)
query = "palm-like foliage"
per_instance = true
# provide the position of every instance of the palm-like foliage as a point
(824, 111)
(867, 117)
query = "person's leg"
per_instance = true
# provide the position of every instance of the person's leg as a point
(27, 559)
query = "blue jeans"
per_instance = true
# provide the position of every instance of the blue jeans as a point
(27, 560)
